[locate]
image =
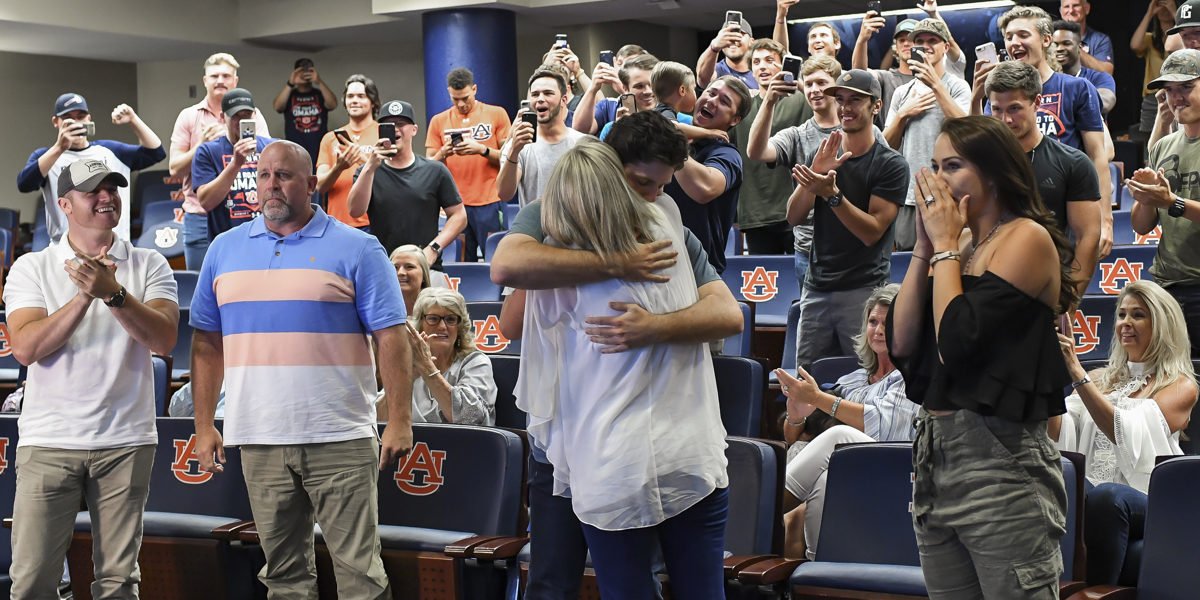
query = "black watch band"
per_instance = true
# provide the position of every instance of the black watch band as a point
(834, 200)
(116, 300)
(1177, 207)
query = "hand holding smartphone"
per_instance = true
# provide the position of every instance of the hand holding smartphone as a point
(733, 17)
(606, 56)
(986, 52)
(246, 129)
(875, 6)
(387, 131)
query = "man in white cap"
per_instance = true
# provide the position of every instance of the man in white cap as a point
(87, 425)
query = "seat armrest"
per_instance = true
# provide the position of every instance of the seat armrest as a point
(734, 564)
(8, 522)
(230, 531)
(500, 548)
(1105, 592)
(248, 535)
(462, 548)
(769, 572)
(1066, 588)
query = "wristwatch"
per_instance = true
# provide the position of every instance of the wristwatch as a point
(1177, 207)
(116, 300)
(437, 248)
(834, 200)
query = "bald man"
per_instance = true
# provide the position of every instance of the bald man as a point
(299, 398)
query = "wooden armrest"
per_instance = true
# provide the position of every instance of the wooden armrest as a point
(501, 548)
(1066, 588)
(8, 522)
(248, 535)
(462, 548)
(734, 564)
(1105, 592)
(769, 572)
(230, 531)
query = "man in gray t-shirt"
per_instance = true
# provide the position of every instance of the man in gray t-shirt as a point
(528, 173)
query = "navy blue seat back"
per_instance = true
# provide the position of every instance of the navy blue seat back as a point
(828, 370)
(740, 385)
(1168, 570)
(753, 479)
(182, 354)
(868, 498)
(1123, 265)
(493, 240)
(162, 385)
(473, 280)
(186, 282)
(6, 246)
(9, 219)
(161, 211)
(177, 485)
(789, 342)
(509, 210)
(734, 244)
(766, 281)
(899, 266)
(166, 237)
(8, 484)
(1124, 235)
(1073, 478)
(10, 369)
(41, 238)
(739, 345)
(1092, 325)
(453, 251)
(504, 371)
(456, 478)
(486, 317)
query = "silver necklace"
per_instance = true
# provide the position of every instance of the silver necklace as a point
(986, 239)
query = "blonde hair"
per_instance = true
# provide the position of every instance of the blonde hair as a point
(1168, 354)
(588, 203)
(668, 76)
(221, 58)
(452, 301)
(882, 296)
(416, 251)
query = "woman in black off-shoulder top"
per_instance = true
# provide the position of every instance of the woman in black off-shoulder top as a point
(973, 332)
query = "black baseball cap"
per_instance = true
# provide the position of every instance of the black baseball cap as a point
(856, 80)
(236, 100)
(303, 62)
(398, 109)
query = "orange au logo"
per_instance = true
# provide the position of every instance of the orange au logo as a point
(3, 455)
(453, 281)
(1118, 270)
(1086, 329)
(187, 465)
(5, 347)
(1150, 238)
(760, 277)
(420, 460)
(179, 215)
(488, 337)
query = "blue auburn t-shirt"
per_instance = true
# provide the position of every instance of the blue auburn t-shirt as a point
(711, 222)
(241, 203)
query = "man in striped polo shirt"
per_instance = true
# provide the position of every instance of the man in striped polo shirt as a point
(282, 312)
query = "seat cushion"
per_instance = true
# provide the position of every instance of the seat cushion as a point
(167, 524)
(418, 539)
(888, 579)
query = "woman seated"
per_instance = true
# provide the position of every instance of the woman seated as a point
(870, 402)
(412, 269)
(452, 381)
(1122, 417)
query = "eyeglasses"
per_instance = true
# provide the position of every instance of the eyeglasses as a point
(433, 320)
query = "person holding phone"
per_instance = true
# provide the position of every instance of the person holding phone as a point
(74, 142)
(225, 170)
(305, 102)
(345, 149)
(402, 192)
(531, 152)
(733, 41)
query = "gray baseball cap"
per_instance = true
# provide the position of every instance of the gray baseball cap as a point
(904, 27)
(1181, 65)
(85, 175)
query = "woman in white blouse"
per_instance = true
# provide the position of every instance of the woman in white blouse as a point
(870, 402)
(452, 381)
(1124, 415)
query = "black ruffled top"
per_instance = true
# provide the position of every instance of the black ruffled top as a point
(999, 354)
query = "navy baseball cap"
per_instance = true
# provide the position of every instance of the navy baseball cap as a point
(69, 102)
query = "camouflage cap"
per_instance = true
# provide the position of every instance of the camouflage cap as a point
(1181, 65)
(935, 26)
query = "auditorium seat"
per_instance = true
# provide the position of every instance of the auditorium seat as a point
(1124, 235)
(740, 385)
(767, 282)
(788, 363)
(6, 248)
(162, 384)
(504, 372)
(739, 344)
(1123, 265)
(493, 240)
(473, 280)
(180, 557)
(8, 491)
(734, 244)
(1092, 325)
(828, 370)
(899, 266)
(181, 356)
(161, 211)
(486, 318)
(186, 283)
(165, 237)
(11, 371)
(509, 210)
(41, 239)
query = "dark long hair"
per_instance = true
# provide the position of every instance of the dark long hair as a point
(994, 150)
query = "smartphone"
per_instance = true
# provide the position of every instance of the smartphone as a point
(875, 6)
(792, 64)
(387, 131)
(606, 56)
(342, 136)
(530, 117)
(89, 129)
(560, 41)
(456, 138)
(986, 52)
(246, 128)
(917, 54)
(733, 16)
(628, 102)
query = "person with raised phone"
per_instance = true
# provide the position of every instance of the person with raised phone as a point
(531, 152)
(345, 149)
(733, 41)
(225, 170)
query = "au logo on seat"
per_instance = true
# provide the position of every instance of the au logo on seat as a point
(420, 473)
(488, 337)
(759, 285)
(186, 465)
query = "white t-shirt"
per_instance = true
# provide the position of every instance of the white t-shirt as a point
(537, 161)
(97, 391)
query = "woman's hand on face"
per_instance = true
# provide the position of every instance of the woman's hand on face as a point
(941, 214)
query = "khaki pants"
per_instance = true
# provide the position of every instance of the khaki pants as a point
(333, 482)
(50, 484)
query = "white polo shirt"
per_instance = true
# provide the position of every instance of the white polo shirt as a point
(97, 391)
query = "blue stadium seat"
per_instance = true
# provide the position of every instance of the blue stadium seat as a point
(509, 211)
(768, 282)
(486, 317)
(1115, 177)
(1123, 265)
(10, 219)
(165, 236)
(6, 247)
(899, 266)
(186, 283)
(473, 281)
(755, 496)
(740, 384)
(39, 216)
(734, 244)
(1124, 235)
(828, 370)
(504, 372)
(739, 345)
(41, 239)
(162, 211)
(493, 240)
(8, 491)
(10, 370)
(181, 356)
(1092, 325)
(162, 385)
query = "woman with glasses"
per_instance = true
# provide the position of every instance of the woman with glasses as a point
(452, 381)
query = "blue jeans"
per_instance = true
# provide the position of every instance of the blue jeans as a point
(195, 240)
(482, 221)
(693, 544)
(1188, 297)
(801, 267)
(557, 549)
(1114, 518)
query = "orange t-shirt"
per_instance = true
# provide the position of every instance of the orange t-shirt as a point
(474, 174)
(338, 207)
